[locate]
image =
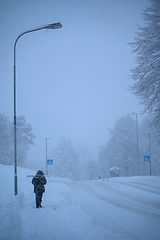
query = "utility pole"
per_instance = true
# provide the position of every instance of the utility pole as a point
(137, 141)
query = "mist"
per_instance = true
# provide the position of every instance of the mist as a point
(71, 82)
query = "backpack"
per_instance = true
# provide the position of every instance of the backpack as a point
(36, 180)
(39, 182)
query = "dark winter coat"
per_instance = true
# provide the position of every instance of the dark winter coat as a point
(39, 181)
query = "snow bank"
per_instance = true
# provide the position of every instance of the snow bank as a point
(61, 218)
(72, 211)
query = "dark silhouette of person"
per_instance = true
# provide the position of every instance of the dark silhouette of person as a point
(39, 181)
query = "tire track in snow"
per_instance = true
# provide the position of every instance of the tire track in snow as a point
(125, 200)
(143, 186)
(104, 214)
(133, 224)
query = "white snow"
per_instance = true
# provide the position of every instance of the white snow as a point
(114, 208)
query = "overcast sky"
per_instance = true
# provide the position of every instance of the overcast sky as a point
(72, 81)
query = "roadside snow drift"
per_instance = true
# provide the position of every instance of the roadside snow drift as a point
(113, 209)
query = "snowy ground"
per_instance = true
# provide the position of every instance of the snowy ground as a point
(113, 209)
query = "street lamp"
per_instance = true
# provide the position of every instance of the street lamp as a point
(46, 157)
(137, 140)
(50, 26)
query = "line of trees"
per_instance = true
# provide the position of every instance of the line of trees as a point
(79, 163)
(75, 163)
(121, 150)
(24, 140)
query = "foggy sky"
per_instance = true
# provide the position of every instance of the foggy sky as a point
(72, 81)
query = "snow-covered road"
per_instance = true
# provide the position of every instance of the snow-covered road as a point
(114, 208)
(128, 206)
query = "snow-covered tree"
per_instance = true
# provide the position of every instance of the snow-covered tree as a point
(83, 159)
(147, 72)
(87, 165)
(103, 162)
(5, 140)
(24, 139)
(66, 160)
(121, 149)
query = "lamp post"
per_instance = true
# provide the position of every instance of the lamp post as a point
(50, 26)
(150, 144)
(150, 153)
(46, 157)
(137, 140)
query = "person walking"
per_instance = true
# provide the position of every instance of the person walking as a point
(39, 181)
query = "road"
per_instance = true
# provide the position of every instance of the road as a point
(125, 205)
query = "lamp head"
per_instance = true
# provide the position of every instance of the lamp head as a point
(54, 26)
